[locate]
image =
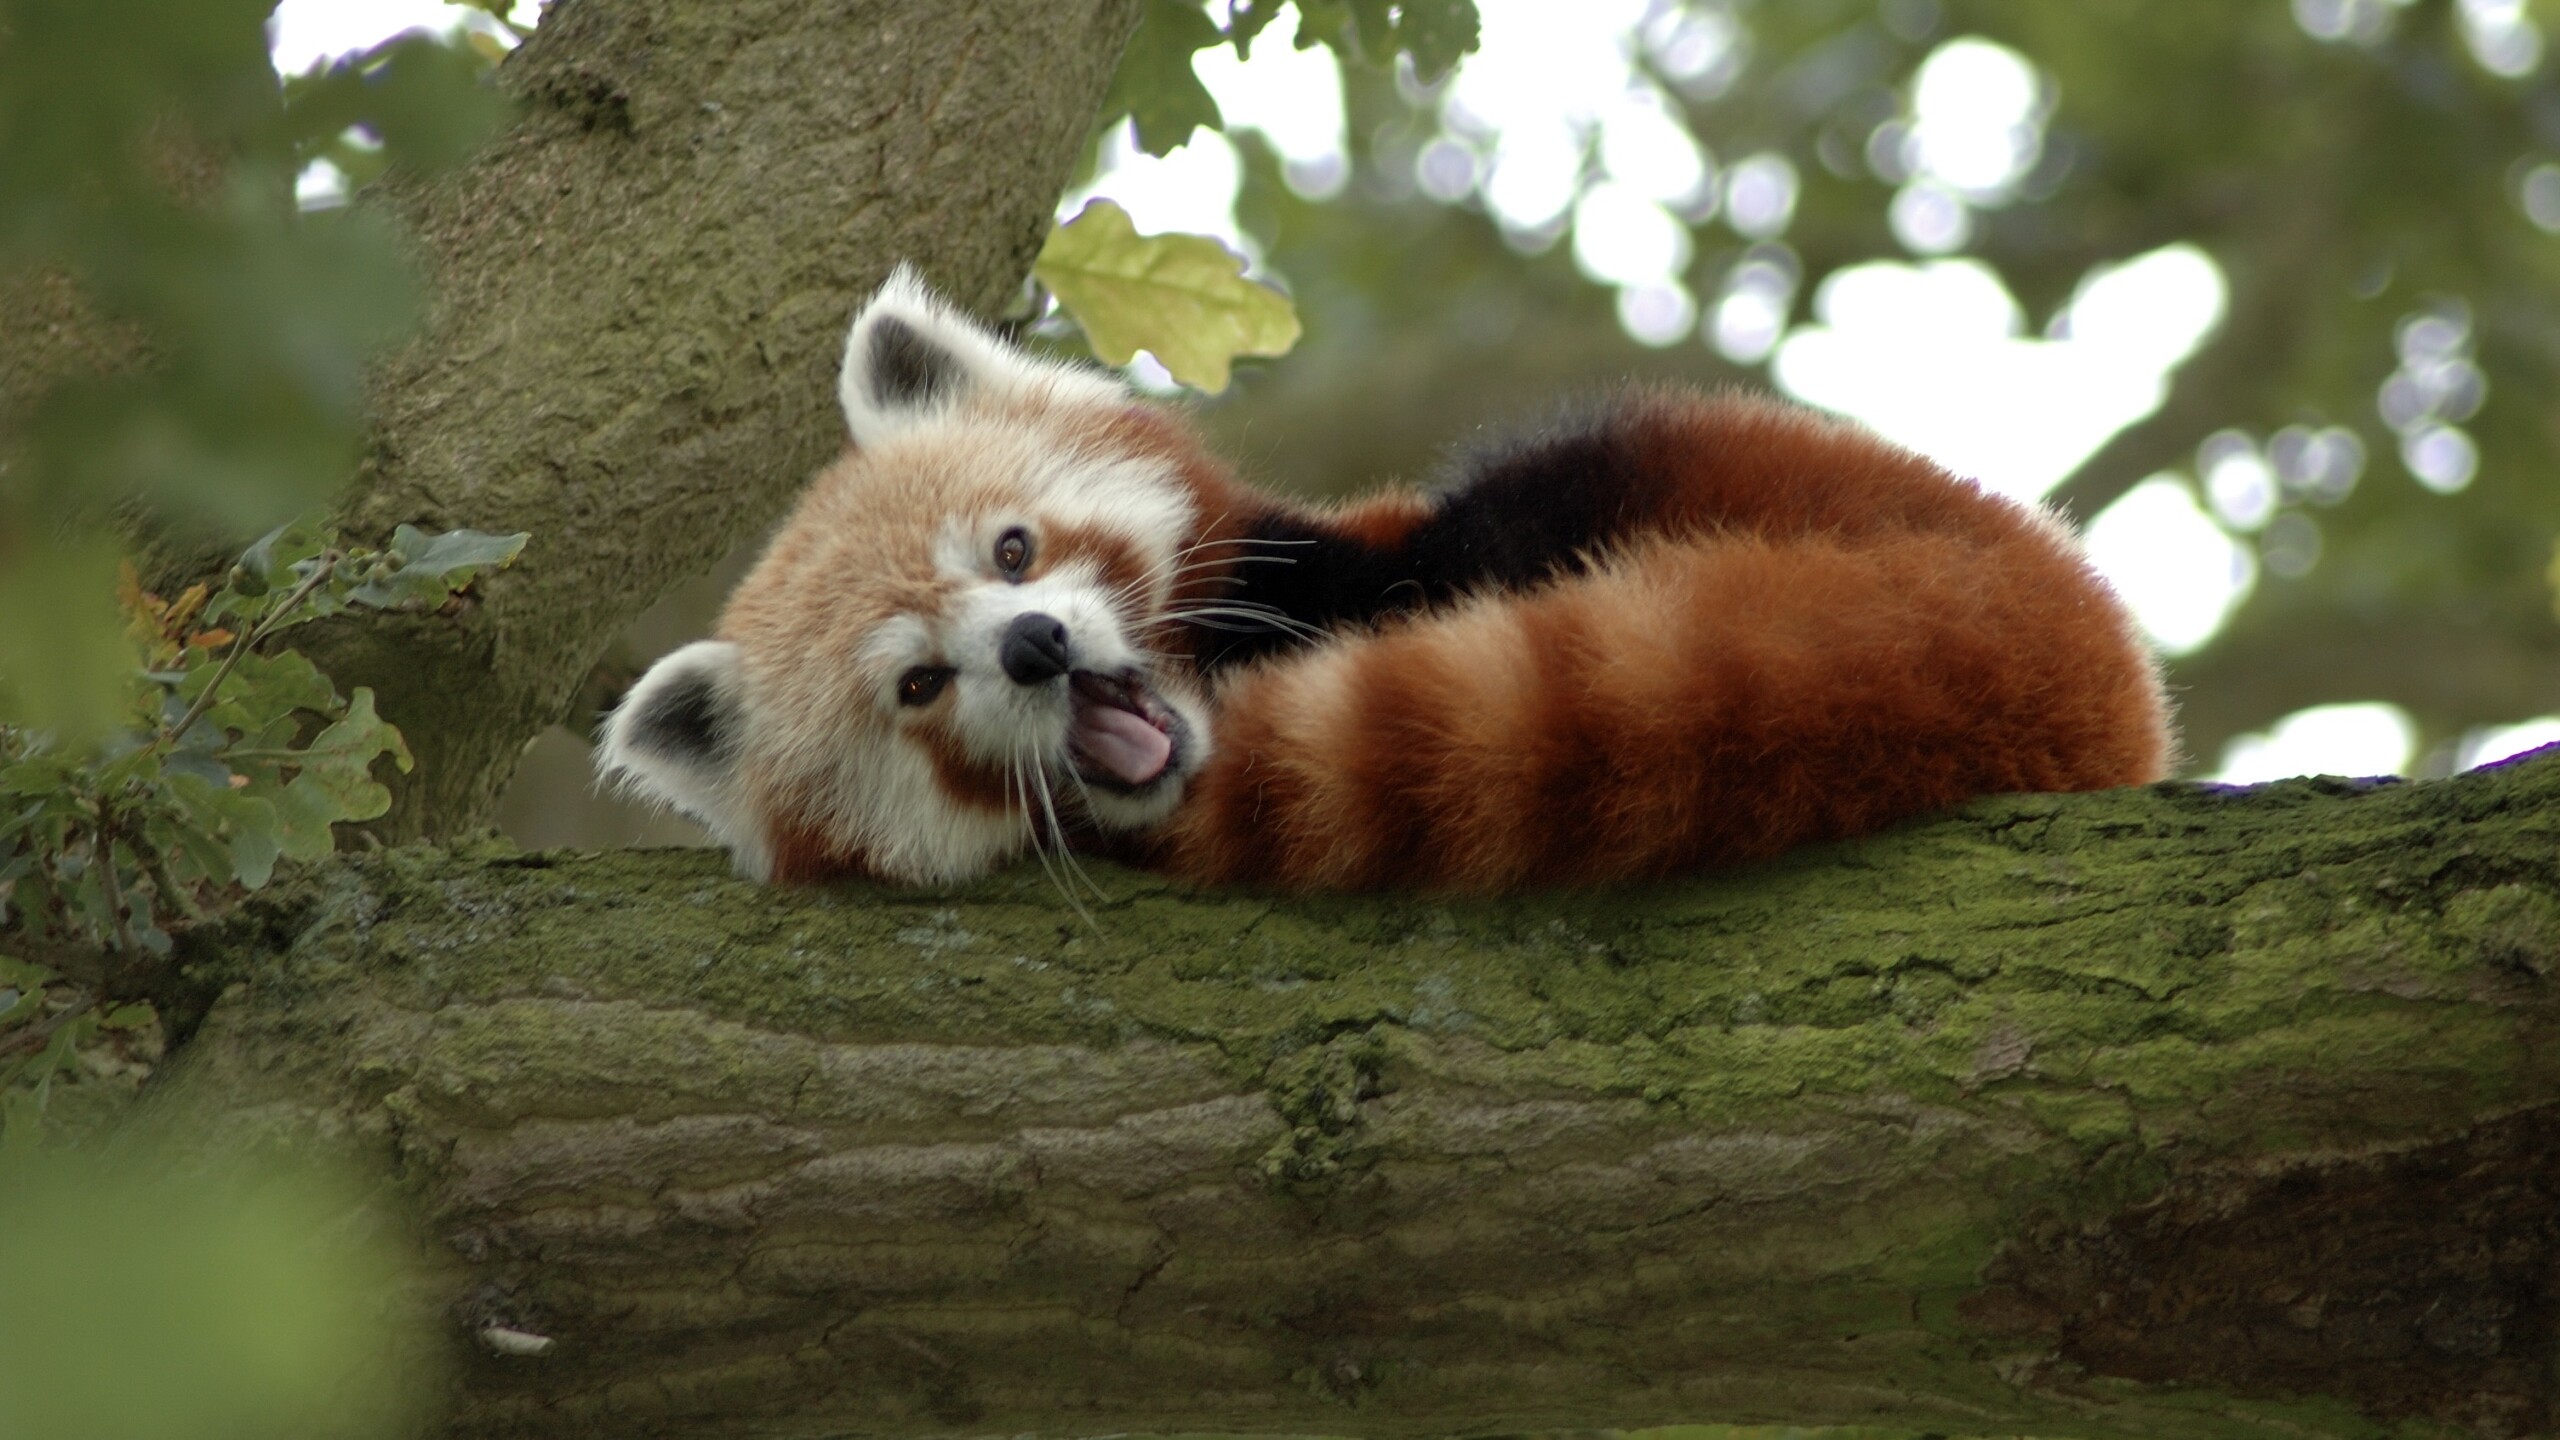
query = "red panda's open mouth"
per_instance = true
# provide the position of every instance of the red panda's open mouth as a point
(1117, 732)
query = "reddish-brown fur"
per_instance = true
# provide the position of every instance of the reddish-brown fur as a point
(1816, 634)
(1789, 631)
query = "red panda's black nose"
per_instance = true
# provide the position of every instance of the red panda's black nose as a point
(1034, 649)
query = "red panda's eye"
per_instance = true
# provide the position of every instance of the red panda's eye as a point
(920, 685)
(1013, 550)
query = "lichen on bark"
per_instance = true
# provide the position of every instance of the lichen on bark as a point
(1900, 1132)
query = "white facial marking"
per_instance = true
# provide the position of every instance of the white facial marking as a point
(942, 412)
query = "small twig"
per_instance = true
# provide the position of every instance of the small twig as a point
(36, 1035)
(155, 865)
(248, 641)
(105, 859)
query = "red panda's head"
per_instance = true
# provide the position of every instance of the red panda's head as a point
(944, 653)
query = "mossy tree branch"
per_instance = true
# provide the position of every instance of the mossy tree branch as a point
(2176, 1112)
(640, 290)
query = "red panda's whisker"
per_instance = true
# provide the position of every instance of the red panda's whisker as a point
(1066, 852)
(1261, 617)
(1160, 574)
(1025, 770)
(1066, 857)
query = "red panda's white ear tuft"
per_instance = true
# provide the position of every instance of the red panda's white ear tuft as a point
(911, 358)
(676, 739)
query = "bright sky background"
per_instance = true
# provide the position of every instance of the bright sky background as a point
(1558, 134)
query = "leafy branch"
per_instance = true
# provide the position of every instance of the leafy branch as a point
(231, 754)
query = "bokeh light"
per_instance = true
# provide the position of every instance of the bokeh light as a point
(2538, 196)
(2501, 36)
(2237, 479)
(1929, 218)
(1657, 314)
(1751, 314)
(1647, 148)
(1977, 124)
(1189, 190)
(1699, 48)
(2354, 22)
(2443, 458)
(2176, 569)
(1292, 97)
(2290, 546)
(1934, 355)
(1622, 238)
(2436, 387)
(2491, 744)
(1760, 195)
(2368, 738)
(302, 33)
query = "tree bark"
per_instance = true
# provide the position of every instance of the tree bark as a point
(641, 289)
(2184, 1111)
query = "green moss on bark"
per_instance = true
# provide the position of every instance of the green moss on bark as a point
(1860, 1134)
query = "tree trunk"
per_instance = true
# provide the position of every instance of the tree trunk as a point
(2184, 1112)
(641, 290)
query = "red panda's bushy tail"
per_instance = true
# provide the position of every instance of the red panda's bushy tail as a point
(1815, 634)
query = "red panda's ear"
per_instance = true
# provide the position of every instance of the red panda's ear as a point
(911, 358)
(677, 738)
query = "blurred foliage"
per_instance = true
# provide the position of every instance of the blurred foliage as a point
(155, 1293)
(185, 361)
(191, 346)
(1157, 90)
(232, 754)
(1182, 296)
(1154, 88)
(2348, 187)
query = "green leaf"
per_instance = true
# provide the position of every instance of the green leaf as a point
(269, 564)
(337, 782)
(47, 774)
(1183, 297)
(256, 840)
(1155, 85)
(421, 571)
(192, 840)
(245, 830)
(260, 690)
(21, 989)
(304, 813)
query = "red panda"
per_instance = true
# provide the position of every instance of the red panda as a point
(1026, 610)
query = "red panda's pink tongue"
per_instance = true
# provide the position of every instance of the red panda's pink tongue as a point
(1131, 750)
